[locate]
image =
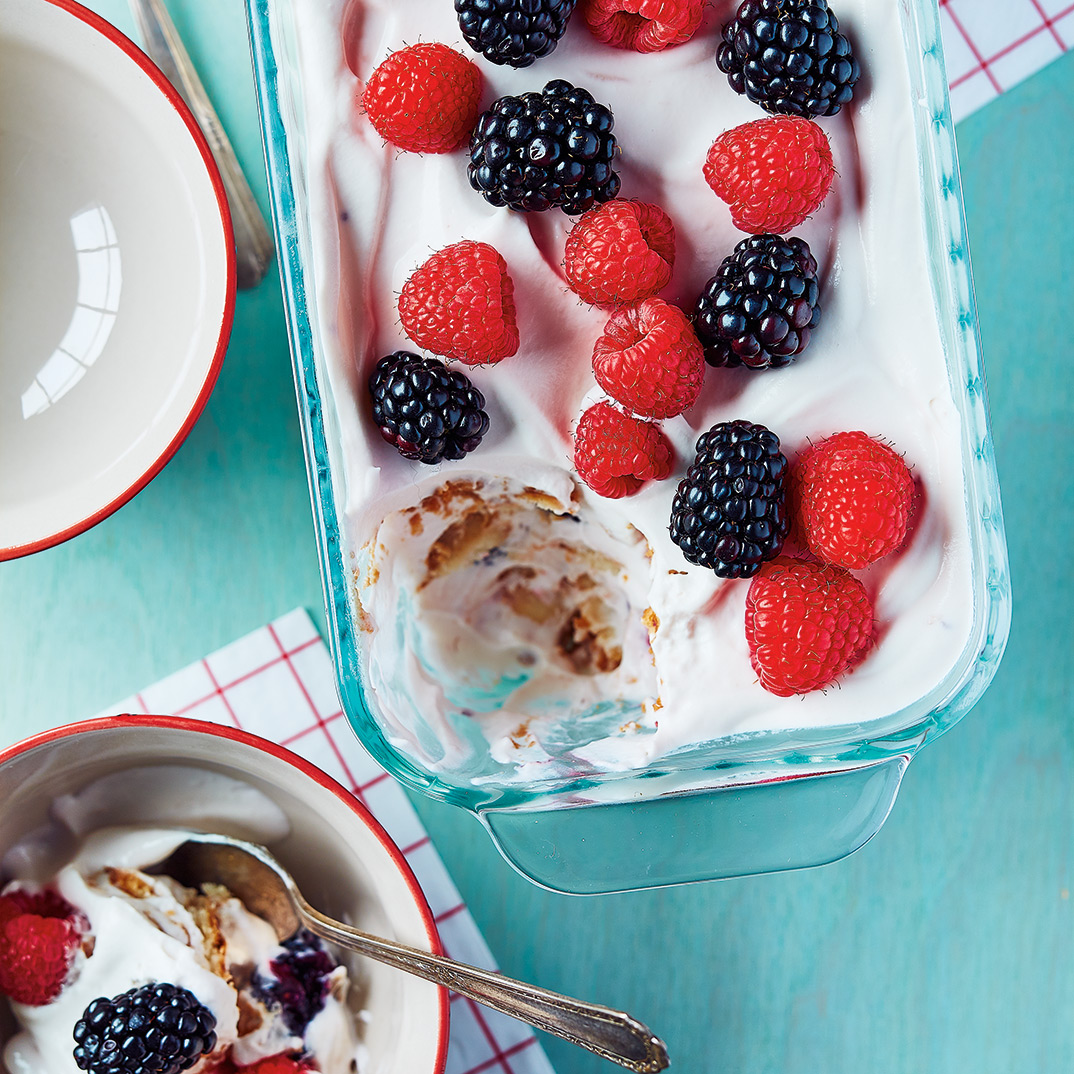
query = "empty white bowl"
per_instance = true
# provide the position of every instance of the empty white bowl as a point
(117, 279)
(343, 860)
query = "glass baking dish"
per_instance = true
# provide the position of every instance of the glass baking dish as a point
(741, 804)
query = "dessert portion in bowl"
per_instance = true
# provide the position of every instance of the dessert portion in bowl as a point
(108, 966)
(647, 427)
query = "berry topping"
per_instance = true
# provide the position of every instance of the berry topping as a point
(619, 252)
(299, 981)
(789, 57)
(154, 1029)
(514, 32)
(761, 306)
(806, 624)
(729, 511)
(425, 410)
(545, 149)
(643, 25)
(461, 304)
(616, 454)
(277, 1064)
(852, 497)
(650, 360)
(773, 173)
(40, 933)
(424, 98)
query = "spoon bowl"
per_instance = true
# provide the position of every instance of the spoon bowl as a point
(252, 874)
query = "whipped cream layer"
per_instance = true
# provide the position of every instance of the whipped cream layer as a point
(447, 681)
(143, 928)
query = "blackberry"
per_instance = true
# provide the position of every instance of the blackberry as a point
(729, 510)
(513, 32)
(299, 981)
(789, 57)
(425, 410)
(761, 306)
(154, 1029)
(539, 150)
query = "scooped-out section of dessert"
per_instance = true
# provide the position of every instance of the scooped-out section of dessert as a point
(108, 965)
(647, 429)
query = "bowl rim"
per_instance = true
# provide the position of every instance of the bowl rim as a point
(172, 96)
(181, 723)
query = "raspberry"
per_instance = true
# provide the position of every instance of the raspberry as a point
(154, 1029)
(762, 304)
(773, 172)
(852, 497)
(40, 932)
(424, 98)
(806, 624)
(650, 360)
(789, 57)
(643, 25)
(424, 410)
(619, 252)
(729, 511)
(276, 1064)
(514, 32)
(460, 304)
(545, 149)
(616, 454)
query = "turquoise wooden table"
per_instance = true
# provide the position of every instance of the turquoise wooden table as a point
(945, 946)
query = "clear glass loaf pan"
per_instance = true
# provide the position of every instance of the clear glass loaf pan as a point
(741, 805)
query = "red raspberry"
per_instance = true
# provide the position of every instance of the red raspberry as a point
(650, 360)
(643, 25)
(424, 98)
(276, 1064)
(773, 172)
(616, 454)
(852, 498)
(806, 624)
(619, 252)
(39, 935)
(460, 304)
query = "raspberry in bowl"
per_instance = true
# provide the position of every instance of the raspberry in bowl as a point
(93, 939)
(521, 630)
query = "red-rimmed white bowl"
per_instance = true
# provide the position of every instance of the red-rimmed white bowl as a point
(117, 280)
(342, 858)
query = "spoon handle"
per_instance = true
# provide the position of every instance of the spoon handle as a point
(611, 1034)
(253, 243)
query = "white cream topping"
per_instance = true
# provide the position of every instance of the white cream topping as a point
(876, 363)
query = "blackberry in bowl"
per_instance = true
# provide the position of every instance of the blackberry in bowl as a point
(789, 57)
(541, 150)
(513, 32)
(761, 306)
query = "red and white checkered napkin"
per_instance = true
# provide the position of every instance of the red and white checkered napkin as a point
(992, 45)
(278, 682)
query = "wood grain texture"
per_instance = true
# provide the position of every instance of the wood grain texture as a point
(946, 945)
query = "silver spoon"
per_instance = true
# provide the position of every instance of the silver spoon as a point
(253, 243)
(252, 874)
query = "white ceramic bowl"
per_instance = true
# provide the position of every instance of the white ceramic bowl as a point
(343, 860)
(117, 279)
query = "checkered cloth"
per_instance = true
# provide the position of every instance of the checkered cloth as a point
(992, 45)
(279, 683)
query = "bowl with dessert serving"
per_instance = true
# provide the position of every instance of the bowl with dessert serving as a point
(118, 282)
(526, 631)
(90, 807)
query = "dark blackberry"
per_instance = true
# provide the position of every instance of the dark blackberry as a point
(155, 1029)
(729, 510)
(539, 150)
(513, 32)
(425, 410)
(789, 57)
(761, 306)
(299, 981)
